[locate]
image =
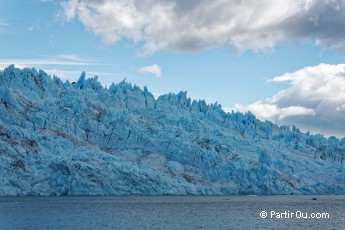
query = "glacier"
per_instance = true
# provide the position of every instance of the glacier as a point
(61, 138)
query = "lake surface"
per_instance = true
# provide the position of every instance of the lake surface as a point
(172, 212)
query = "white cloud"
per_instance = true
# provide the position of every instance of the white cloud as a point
(295, 111)
(152, 69)
(314, 101)
(57, 60)
(65, 66)
(198, 24)
(39, 62)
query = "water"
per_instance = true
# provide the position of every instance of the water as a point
(169, 212)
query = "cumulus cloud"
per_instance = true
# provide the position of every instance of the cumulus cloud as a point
(152, 69)
(315, 100)
(198, 24)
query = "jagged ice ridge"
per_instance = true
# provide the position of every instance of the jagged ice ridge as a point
(58, 138)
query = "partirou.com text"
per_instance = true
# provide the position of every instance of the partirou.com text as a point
(292, 215)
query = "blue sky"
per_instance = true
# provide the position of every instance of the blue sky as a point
(261, 56)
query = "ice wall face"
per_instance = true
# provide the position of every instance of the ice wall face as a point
(58, 138)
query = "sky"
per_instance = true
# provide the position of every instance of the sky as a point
(282, 60)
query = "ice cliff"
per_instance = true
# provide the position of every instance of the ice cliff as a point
(62, 138)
